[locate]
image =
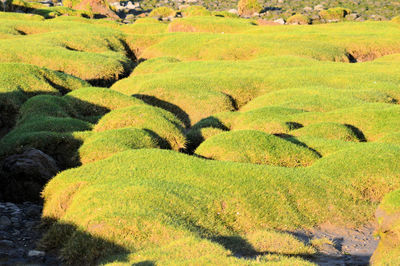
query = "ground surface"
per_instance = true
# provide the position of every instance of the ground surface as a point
(203, 140)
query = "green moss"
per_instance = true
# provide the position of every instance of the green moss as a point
(334, 14)
(162, 12)
(298, 19)
(248, 7)
(388, 216)
(210, 24)
(250, 146)
(155, 120)
(193, 11)
(102, 145)
(92, 101)
(224, 14)
(333, 189)
(328, 130)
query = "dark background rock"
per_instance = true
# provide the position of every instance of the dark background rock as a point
(24, 175)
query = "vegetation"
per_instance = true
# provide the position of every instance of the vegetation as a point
(162, 12)
(248, 7)
(205, 140)
(298, 19)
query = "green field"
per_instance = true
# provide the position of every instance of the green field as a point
(206, 140)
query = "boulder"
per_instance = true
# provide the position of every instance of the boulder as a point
(25, 174)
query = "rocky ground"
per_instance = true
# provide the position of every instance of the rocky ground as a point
(341, 246)
(19, 233)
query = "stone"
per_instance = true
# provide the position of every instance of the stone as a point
(25, 175)
(36, 253)
(6, 244)
(280, 21)
(5, 221)
(233, 11)
(33, 211)
(32, 162)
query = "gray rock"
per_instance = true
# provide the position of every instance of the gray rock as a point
(280, 21)
(36, 253)
(33, 211)
(32, 162)
(6, 244)
(5, 221)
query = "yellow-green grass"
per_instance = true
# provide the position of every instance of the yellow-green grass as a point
(163, 201)
(95, 53)
(16, 88)
(331, 42)
(388, 217)
(328, 130)
(334, 14)
(102, 145)
(317, 99)
(251, 146)
(158, 122)
(298, 19)
(19, 16)
(393, 138)
(194, 11)
(93, 101)
(326, 86)
(162, 12)
(145, 26)
(210, 24)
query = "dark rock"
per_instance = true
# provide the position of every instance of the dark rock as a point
(5, 221)
(6, 244)
(24, 176)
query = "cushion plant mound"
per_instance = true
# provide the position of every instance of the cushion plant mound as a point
(210, 24)
(328, 130)
(317, 99)
(189, 103)
(15, 88)
(93, 101)
(45, 105)
(388, 217)
(102, 145)
(249, 7)
(92, 52)
(162, 12)
(194, 11)
(298, 19)
(52, 124)
(272, 120)
(250, 146)
(234, 198)
(197, 135)
(396, 19)
(393, 138)
(156, 121)
(334, 14)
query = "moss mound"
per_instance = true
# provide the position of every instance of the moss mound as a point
(162, 12)
(156, 121)
(298, 19)
(102, 145)
(194, 11)
(92, 101)
(250, 146)
(272, 120)
(235, 198)
(388, 217)
(328, 130)
(248, 7)
(334, 14)
(210, 24)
